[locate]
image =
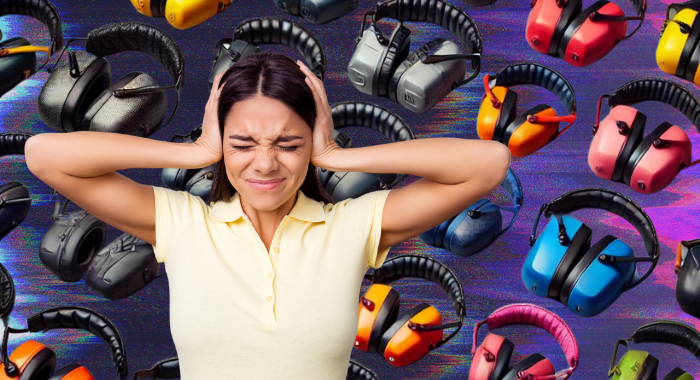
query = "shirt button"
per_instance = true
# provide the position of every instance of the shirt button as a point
(277, 250)
(269, 298)
(269, 275)
(285, 223)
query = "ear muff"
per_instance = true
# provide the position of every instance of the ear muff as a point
(317, 11)
(394, 53)
(14, 206)
(492, 358)
(678, 374)
(378, 310)
(492, 121)
(658, 159)
(576, 249)
(292, 7)
(616, 137)
(69, 246)
(586, 41)
(688, 279)
(200, 184)
(181, 14)
(547, 22)
(33, 360)
(72, 371)
(17, 67)
(357, 371)
(679, 37)
(401, 345)
(636, 365)
(534, 365)
(176, 179)
(524, 137)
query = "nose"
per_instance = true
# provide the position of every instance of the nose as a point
(265, 160)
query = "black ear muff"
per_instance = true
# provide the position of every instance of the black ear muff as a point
(509, 107)
(344, 185)
(397, 51)
(200, 184)
(676, 374)
(571, 9)
(17, 67)
(7, 292)
(176, 179)
(90, 84)
(588, 258)
(14, 206)
(578, 247)
(636, 131)
(688, 284)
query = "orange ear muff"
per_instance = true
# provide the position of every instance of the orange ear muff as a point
(495, 113)
(524, 137)
(33, 360)
(72, 372)
(378, 310)
(404, 342)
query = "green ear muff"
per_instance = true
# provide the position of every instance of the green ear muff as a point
(636, 365)
(678, 374)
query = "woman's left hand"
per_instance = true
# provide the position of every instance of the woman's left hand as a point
(323, 143)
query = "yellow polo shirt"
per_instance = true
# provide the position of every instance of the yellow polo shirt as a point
(239, 312)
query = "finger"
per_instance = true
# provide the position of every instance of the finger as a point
(317, 98)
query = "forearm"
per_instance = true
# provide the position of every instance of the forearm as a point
(442, 160)
(88, 154)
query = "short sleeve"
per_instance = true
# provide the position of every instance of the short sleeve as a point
(365, 213)
(174, 210)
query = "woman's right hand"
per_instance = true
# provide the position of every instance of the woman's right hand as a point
(209, 141)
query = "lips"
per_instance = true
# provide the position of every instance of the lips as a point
(265, 185)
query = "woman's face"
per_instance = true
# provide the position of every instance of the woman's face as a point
(267, 150)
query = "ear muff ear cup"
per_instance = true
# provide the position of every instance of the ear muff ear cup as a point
(678, 374)
(136, 115)
(176, 179)
(344, 185)
(13, 214)
(688, 282)
(523, 137)
(576, 249)
(636, 365)
(400, 345)
(617, 136)
(491, 122)
(70, 244)
(72, 371)
(571, 10)
(17, 67)
(158, 8)
(534, 365)
(586, 41)
(675, 45)
(378, 310)
(395, 53)
(33, 360)
(492, 358)
(200, 184)
(546, 24)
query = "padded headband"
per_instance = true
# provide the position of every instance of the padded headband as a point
(136, 36)
(537, 75)
(660, 90)
(669, 332)
(437, 12)
(269, 30)
(357, 371)
(363, 114)
(41, 10)
(7, 292)
(75, 317)
(529, 314)
(13, 143)
(425, 267)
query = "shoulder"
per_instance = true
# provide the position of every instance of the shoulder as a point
(358, 209)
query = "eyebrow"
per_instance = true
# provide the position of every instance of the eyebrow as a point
(279, 139)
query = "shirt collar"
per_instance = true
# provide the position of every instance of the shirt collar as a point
(305, 209)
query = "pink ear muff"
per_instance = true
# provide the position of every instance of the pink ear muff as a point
(493, 355)
(610, 139)
(594, 39)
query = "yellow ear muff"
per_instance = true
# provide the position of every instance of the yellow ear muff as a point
(183, 14)
(488, 114)
(143, 7)
(672, 42)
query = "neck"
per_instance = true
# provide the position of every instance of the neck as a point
(264, 219)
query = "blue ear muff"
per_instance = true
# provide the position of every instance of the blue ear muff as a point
(479, 225)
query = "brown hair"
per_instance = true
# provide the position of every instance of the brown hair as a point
(278, 77)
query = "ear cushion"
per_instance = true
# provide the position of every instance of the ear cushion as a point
(586, 41)
(492, 359)
(7, 292)
(158, 8)
(395, 53)
(571, 9)
(574, 252)
(378, 309)
(641, 149)
(138, 115)
(401, 346)
(72, 371)
(523, 137)
(631, 143)
(13, 214)
(507, 115)
(17, 67)
(589, 255)
(534, 365)
(34, 360)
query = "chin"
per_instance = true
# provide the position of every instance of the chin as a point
(267, 200)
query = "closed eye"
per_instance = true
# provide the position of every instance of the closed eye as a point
(289, 148)
(241, 147)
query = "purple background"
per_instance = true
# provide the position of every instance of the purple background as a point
(490, 279)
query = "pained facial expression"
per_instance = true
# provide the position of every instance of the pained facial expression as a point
(267, 150)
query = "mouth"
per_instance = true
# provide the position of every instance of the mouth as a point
(265, 185)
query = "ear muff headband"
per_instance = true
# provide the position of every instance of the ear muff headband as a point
(617, 204)
(511, 184)
(670, 332)
(266, 30)
(357, 371)
(75, 317)
(528, 314)
(7, 293)
(41, 10)
(437, 12)
(427, 268)
(660, 90)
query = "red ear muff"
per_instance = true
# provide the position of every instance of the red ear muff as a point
(495, 115)
(616, 137)
(378, 310)
(586, 41)
(492, 358)
(547, 22)
(404, 343)
(524, 137)
(33, 360)
(534, 365)
(658, 159)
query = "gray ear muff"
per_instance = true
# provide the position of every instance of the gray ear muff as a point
(396, 52)
(290, 7)
(176, 179)
(64, 95)
(344, 185)
(365, 61)
(122, 268)
(14, 206)
(228, 52)
(15, 68)
(69, 246)
(134, 115)
(200, 184)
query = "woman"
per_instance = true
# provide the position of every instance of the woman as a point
(264, 281)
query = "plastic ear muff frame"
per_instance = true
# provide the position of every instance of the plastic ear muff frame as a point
(17, 55)
(33, 360)
(562, 29)
(531, 130)
(197, 181)
(317, 11)
(405, 339)
(564, 265)
(620, 153)
(677, 52)
(479, 225)
(15, 203)
(688, 281)
(491, 360)
(182, 14)
(641, 365)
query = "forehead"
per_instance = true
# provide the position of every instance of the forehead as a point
(264, 118)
